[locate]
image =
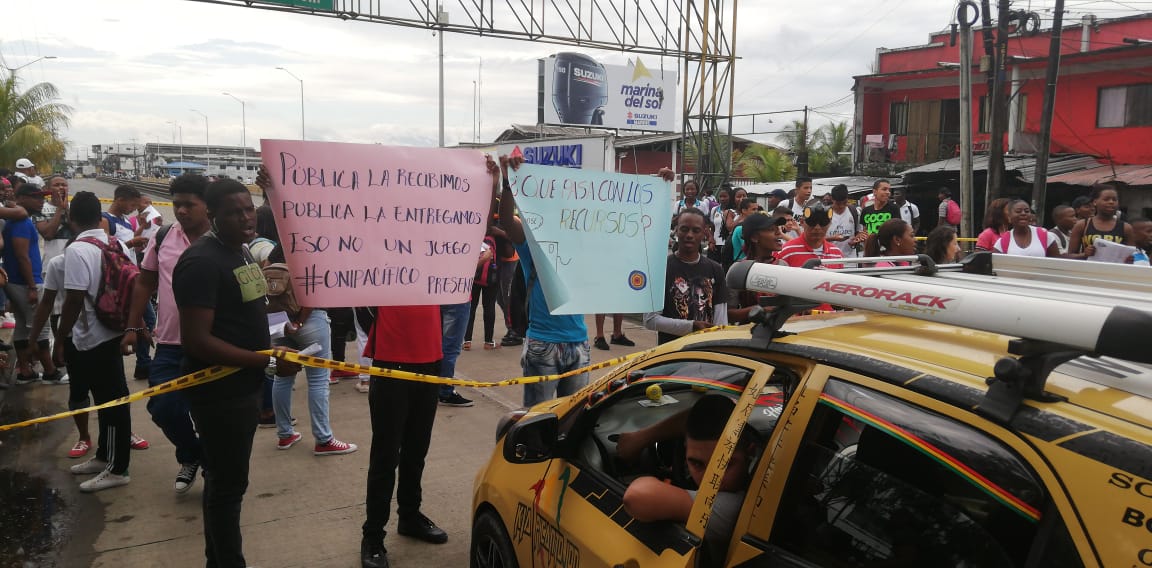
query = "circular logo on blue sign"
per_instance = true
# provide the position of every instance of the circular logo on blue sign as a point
(637, 280)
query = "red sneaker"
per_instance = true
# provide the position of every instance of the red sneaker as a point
(80, 450)
(139, 443)
(334, 447)
(285, 443)
(344, 374)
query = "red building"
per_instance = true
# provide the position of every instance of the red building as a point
(908, 112)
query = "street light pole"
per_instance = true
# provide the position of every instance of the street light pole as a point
(176, 126)
(301, 99)
(207, 146)
(38, 59)
(243, 132)
(442, 19)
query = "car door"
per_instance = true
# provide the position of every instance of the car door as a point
(877, 476)
(579, 505)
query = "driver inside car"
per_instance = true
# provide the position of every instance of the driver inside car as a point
(649, 499)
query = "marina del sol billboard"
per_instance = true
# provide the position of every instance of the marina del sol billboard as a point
(577, 90)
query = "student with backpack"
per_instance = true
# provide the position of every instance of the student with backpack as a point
(949, 211)
(95, 270)
(484, 288)
(169, 411)
(845, 230)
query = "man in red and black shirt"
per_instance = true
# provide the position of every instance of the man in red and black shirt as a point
(404, 338)
(812, 242)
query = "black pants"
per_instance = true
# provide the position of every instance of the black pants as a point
(226, 428)
(102, 370)
(340, 321)
(403, 413)
(517, 297)
(487, 294)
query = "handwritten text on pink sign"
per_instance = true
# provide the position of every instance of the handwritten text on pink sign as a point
(371, 225)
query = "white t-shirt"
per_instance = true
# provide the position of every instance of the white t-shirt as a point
(83, 263)
(798, 206)
(151, 226)
(1038, 247)
(54, 280)
(909, 211)
(846, 225)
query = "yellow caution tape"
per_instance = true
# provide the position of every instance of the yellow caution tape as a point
(198, 378)
(160, 203)
(215, 373)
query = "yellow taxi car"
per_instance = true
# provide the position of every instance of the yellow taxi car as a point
(974, 417)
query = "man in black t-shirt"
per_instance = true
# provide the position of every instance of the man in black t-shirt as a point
(221, 293)
(879, 209)
(695, 295)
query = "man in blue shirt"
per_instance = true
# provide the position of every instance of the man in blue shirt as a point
(25, 276)
(555, 344)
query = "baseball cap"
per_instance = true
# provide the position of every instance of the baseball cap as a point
(816, 214)
(759, 221)
(24, 163)
(839, 192)
(30, 189)
(778, 194)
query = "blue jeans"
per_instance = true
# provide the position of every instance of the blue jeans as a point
(454, 320)
(315, 330)
(170, 410)
(143, 355)
(545, 358)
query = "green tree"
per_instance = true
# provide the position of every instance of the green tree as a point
(764, 164)
(832, 143)
(31, 122)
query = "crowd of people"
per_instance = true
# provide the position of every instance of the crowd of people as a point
(208, 281)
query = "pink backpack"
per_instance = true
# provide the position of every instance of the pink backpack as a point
(953, 216)
(117, 278)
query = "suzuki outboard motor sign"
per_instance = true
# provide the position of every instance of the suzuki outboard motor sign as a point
(578, 90)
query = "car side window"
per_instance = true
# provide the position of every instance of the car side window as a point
(879, 482)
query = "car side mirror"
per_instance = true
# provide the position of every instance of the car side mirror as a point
(532, 439)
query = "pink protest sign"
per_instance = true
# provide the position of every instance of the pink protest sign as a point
(370, 225)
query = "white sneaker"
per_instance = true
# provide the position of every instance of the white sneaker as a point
(104, 480)
(93, 465)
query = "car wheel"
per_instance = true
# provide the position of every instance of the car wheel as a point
(491, 547)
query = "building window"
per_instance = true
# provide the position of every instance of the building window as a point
(1130, 105)
(898, 119)
(985, 124)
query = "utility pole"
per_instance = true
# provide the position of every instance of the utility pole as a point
(998, 106)
(442, 19)
(966, 195)
(1040, 183)
(802, 155)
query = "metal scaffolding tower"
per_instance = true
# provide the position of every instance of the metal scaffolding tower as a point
(700, 33)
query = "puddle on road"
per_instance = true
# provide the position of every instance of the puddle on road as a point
(29, 509)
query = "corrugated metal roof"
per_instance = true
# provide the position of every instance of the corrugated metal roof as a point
(1024, 165)
(1131, 175)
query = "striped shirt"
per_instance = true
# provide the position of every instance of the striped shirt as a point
(796, 252)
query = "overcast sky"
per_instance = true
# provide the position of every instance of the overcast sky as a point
(129, 67)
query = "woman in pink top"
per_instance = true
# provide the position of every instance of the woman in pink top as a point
(995, 222)
(894, 238)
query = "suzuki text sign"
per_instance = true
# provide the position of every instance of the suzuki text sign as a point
(599, 240)
(370, 225)
(581, 91)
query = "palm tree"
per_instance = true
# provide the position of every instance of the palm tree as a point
(764, 164)
(31, 122)
(833, 143)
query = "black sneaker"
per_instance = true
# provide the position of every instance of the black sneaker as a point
(186, 477)
(420, 527)
(27, 379)
(601, 344)
(57, 378)
(455, 400)
(512, 339)
(623, 340)
(373, 554)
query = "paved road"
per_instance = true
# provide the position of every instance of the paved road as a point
(300, 511)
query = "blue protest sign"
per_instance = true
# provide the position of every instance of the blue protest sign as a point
(599, 239)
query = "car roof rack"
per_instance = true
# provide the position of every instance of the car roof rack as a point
(1059, 309)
